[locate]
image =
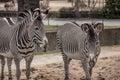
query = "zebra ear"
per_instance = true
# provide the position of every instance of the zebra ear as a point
(36, 13)
(98, 27)
(85, 27)
(44, 13)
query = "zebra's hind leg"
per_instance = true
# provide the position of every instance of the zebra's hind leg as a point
(9, 62)
(87, 69)
(18, 72)
(66, 65)
(28, 64)
(2, 66)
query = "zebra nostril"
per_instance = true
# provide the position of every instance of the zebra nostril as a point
(35, 41)
(92, 63)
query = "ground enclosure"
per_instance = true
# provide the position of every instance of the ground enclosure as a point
(50, 67)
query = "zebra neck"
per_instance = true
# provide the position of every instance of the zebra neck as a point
(24, 44)
(24, 41)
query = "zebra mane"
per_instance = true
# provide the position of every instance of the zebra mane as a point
(3, 23)
(91, 33)
(76, 24)
(23, 23)
(25, 14)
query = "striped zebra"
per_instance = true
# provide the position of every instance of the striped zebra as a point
(20, 41)
(81, 43)
(5, 24)
(5, 30)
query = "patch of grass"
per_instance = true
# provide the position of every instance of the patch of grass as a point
(111, 27)
(51, 27)
(55, 27)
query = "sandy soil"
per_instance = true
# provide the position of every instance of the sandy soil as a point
(107, 67)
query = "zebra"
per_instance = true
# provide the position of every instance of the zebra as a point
(5, 23)
(5, 29)
(22, 40)
(80, 42)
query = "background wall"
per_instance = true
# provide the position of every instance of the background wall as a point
(108, 37)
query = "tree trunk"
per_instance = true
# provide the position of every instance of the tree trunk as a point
(44, 4)
(76, 7)
(88, 3)
(27, 4)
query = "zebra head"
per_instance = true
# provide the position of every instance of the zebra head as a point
(32, 27)
(92, 42)
(28, 16)
(37, 31)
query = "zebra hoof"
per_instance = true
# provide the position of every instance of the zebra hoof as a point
(10, 78)
(66, 79)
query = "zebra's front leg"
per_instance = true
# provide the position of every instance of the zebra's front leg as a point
(2, 66)
(18, 72)
(66, 66)
(87, 69)
(9, 62)
(28, 64)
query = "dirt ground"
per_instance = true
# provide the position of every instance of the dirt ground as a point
(107, 68)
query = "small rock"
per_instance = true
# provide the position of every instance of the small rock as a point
(42, 76)
(83, 78)
(104, 58)
(59, 66)
(100, 77)
(33, 69)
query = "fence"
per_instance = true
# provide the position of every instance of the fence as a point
(91, 9)
(85, 6)
(108, 37)
(10, 8)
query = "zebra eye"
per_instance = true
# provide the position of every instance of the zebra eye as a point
(97, 42)
(36, 28)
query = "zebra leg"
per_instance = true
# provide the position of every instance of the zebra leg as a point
(87, 69)
(66, 66)
(28, 64)
(18, 72)
(2, 66)
(9, 62)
